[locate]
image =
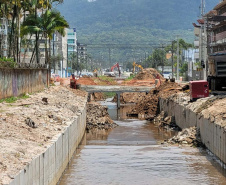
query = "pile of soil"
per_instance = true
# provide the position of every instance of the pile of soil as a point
(98, 117)
(85, 80)
(188, 136)
(130, 97)
(148, 74)
(98, 96)
(148, 104)
(144, 78)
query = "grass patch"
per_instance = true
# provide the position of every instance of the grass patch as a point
(130, 78)
(106, 78)
(14, 99)
(109, 94)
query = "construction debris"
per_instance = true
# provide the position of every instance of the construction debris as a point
(30, 123)
(188, 136)
(98, 117)
(166, 122)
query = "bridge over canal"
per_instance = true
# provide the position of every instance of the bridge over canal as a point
(117, 89)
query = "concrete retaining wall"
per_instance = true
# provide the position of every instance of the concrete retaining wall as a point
(15, 82)
(212, 134)
(47, 168)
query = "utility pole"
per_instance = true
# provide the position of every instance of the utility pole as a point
(109, 50)
(172, 58)
(203, 41)
(162, 59)
(178, 57)
(67, 63)
(77, 57)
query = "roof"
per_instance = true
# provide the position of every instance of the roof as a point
(220, 5)
(195, 25)
(211, 13)
(200, 21)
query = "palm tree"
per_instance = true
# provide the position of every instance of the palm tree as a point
(46, 24)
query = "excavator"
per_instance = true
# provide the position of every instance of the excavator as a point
(137, 65)
(114, 66)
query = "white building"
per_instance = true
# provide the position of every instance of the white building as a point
(71, 41)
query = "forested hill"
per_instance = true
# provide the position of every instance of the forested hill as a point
(132, 21)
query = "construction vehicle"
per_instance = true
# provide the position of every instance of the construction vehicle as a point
(95, 72)
(114, 66)
(217, 72)
(137, 65)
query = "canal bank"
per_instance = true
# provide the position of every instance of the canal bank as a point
(39, 135)
(207, 114)
(130, 154)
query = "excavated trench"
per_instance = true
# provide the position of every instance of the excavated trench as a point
(134, 152)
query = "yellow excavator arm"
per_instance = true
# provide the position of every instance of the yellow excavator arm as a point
(137, 65)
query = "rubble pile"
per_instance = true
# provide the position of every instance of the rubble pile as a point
(131, 97)
(149, 73)
(148, 104)
(98, 117)
(98, 96)
(188, 136)
(167, 122)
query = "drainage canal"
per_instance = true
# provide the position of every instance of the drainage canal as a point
(130, 154)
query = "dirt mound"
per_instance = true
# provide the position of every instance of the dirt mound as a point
(98, 117)
(85, 80)
(147, 105)
(148, 74)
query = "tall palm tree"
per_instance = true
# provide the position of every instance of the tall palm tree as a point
(46, 24)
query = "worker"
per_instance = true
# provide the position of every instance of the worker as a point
(73, 82)
(158, 77)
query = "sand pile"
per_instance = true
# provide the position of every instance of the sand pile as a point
(148, 74)
(147, 105)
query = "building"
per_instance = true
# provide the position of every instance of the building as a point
(71, 41)
(216, 27)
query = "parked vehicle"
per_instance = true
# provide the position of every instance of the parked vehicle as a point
(217, 72)
(55, 77)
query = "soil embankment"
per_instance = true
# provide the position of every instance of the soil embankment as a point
(28, 126)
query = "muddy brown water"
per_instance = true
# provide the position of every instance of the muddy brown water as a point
(130, 155)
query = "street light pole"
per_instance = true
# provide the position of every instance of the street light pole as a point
(178, 58)
(77, 58)
(67, 63)
(172, 59)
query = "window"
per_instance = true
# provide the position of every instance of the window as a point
(71, 34)
(70, 41)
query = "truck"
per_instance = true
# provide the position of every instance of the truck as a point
(217, 72)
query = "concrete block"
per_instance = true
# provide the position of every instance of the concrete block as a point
(52, 164)
(46, 167)
(65, 147)
(41, 168)
(35, 171)
(59, 158)
(30, 173)
(224, 135)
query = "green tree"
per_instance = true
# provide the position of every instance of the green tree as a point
(46, 24)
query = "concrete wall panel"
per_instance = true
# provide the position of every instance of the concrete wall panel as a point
(212, 135)
(15, 82)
